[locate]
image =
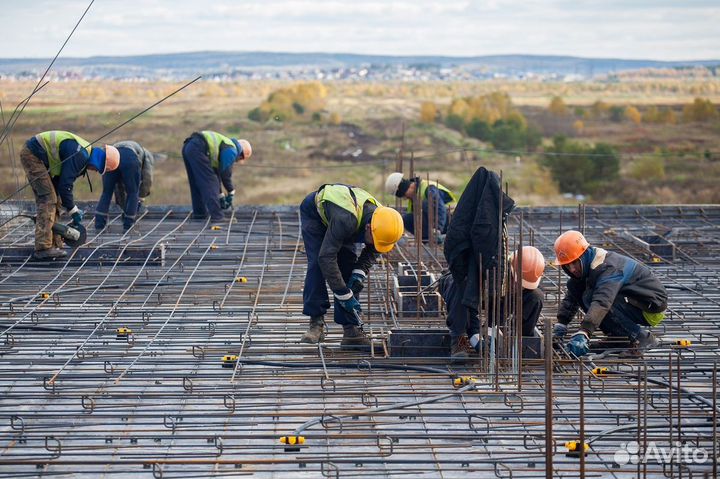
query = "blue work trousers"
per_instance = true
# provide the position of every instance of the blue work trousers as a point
(409, 221)
(623, 319)
(204, 182)
(315, 292)
(129, 173)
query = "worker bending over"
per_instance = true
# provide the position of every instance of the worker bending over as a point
(132, 178)
(335, 218)
(442, 199)
(209, 158)
(619, 295)
(53, 160)
(464, 323)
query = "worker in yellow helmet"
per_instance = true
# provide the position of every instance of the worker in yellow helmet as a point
(335, 218)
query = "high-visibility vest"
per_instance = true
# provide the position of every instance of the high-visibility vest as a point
(423, 192)
(50, 141)
(349, 198)
(215, 141)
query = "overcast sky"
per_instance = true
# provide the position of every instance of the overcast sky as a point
(661, 30)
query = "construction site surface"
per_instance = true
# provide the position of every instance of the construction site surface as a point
(173, 351)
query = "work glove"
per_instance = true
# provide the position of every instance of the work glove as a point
(356, 283)
(77, 215)
(559, 331)
(348, 302)
(579, 344)
(439, 238)
(229, 199)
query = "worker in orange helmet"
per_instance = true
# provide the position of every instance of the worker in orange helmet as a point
(462, 321)
(53, 160)
(619, 295)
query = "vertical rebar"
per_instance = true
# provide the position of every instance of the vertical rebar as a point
(581, 369)
(714, 419)
(548, 403)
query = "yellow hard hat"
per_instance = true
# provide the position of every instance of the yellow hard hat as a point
(386, 227)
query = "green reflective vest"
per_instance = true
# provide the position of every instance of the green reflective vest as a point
(50, 141)
(423, 193)
(214, 141)
(349, 198)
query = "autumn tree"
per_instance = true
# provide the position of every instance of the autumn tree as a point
(632, 114)
(557, 107)
(428, 112)
(700, 110)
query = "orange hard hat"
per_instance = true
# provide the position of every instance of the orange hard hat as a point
(112, 159)
(533, 266)
(570, 246)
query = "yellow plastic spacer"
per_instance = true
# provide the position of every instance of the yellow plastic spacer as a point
(683, 343)
(573, 446)
(241, 279)
(215, 228)
(123, 331)
(656, 259)
(214, 246)
(44, 295)
(600, 371)
(229, 357)
(463, 381)
(292, 440)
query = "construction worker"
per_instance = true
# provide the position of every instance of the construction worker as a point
(442, 198)
(335, 218)
(209, 158)
(53, 160)
(619, 295)
(464, 323)
(126, 182)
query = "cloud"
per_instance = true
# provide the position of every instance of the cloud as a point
(661, 29)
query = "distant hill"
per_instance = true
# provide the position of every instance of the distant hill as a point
(247, 64)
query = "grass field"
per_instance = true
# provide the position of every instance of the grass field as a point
(292, 158)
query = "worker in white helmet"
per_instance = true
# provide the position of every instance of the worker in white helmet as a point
(442, 198)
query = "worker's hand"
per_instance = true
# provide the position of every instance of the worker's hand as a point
(348, 302)
(356, 283)
(229, 199)
(77, 216)
(579, 344)
(559, 331)
(439, 238)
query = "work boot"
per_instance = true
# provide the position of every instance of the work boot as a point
(49, 254)
(459, 347)
(354, 338)
(316, 331)
(645, 340)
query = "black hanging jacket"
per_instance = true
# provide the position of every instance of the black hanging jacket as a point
(474, 230)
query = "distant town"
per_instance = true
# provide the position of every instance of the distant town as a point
(220, 66)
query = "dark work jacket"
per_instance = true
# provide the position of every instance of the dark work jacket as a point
(343, 232)
(611, 275)
(474, 230)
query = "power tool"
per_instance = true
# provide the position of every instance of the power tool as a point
(73, 235)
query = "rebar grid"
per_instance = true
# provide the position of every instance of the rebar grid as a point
(80, 399)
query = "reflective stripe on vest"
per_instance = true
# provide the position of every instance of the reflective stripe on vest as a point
(346, 197)
(423, 193)
(50, 141)
(215, 141)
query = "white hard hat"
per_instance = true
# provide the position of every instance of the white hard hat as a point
(392, 182)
